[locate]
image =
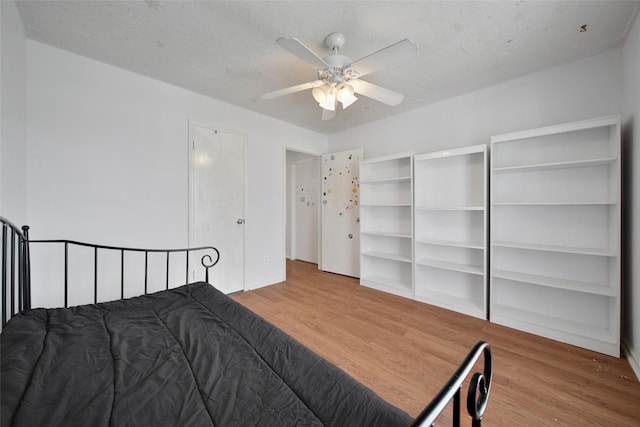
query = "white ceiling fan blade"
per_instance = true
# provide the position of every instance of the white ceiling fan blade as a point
(378, 93)
(387, 57)
(328, 114)
(292, 89)
(296, 47)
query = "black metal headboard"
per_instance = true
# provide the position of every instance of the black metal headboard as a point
(16, 289)
(16, 265)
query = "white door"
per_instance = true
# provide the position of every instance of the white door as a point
(305, 205)
(217, 200)
(341, 212)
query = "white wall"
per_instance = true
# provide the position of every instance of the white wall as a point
(13, 114)
(108, 159)
(575, 91)
(631, 180)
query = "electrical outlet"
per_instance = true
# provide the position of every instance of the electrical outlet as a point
(266, 259)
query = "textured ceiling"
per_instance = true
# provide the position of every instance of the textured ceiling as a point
(227, 50)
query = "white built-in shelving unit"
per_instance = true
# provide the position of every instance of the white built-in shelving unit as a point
(450, 219)
(386, 223)
(555, 232)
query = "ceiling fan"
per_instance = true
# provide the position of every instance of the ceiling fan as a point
(339, 76)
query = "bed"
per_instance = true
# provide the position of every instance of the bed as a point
(182, 356)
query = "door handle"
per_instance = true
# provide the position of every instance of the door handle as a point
(240, 221)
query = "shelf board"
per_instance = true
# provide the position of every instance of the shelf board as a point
(450, 208)
(601, 122)
(387, 255)
(556, 248)
(452, 243)
(453, 266)
(387, 234)
(584, 203)
(554, 282)
(451, 302)
(387, 284)
(385, 205)
(447, 154)
(557, 165)
(551, 323)
(387, 180)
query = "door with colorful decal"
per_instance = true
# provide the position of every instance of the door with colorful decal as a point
(341, 212)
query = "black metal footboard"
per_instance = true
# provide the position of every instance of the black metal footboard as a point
(16, 271)
(478, 390)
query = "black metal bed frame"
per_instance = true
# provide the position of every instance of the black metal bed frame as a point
(16, 297)
(16, 279)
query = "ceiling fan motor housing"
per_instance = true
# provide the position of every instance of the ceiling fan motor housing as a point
(335, 40)
(336, 73)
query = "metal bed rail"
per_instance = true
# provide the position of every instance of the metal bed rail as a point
(477, 395)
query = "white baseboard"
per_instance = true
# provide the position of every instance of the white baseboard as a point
(263, 283)
(633, 358)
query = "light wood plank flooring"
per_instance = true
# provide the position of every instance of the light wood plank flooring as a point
(405, 351)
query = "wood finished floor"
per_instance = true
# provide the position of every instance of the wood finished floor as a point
(405, 351)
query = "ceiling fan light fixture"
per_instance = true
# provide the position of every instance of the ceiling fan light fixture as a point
(330, 102)
(320, 93)
(346, 95)
(349, 101)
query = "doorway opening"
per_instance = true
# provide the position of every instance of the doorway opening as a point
(302, 228)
